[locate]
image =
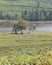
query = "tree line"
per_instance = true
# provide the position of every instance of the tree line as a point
(37, 15)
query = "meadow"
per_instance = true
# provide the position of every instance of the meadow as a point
(26, 49)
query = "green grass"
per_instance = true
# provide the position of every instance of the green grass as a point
(25, 48)
(25, 39)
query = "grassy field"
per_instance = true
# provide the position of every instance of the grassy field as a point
(38, 38)
(23, 49)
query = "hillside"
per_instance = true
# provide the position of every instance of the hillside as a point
(16, 3)
(26, 3)
(44, 1)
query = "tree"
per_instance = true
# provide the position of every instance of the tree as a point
(16, 16)
(10, 15)
(37, 11)
(32, 15)
(1, 15)
(24, 14)
(50, 15)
